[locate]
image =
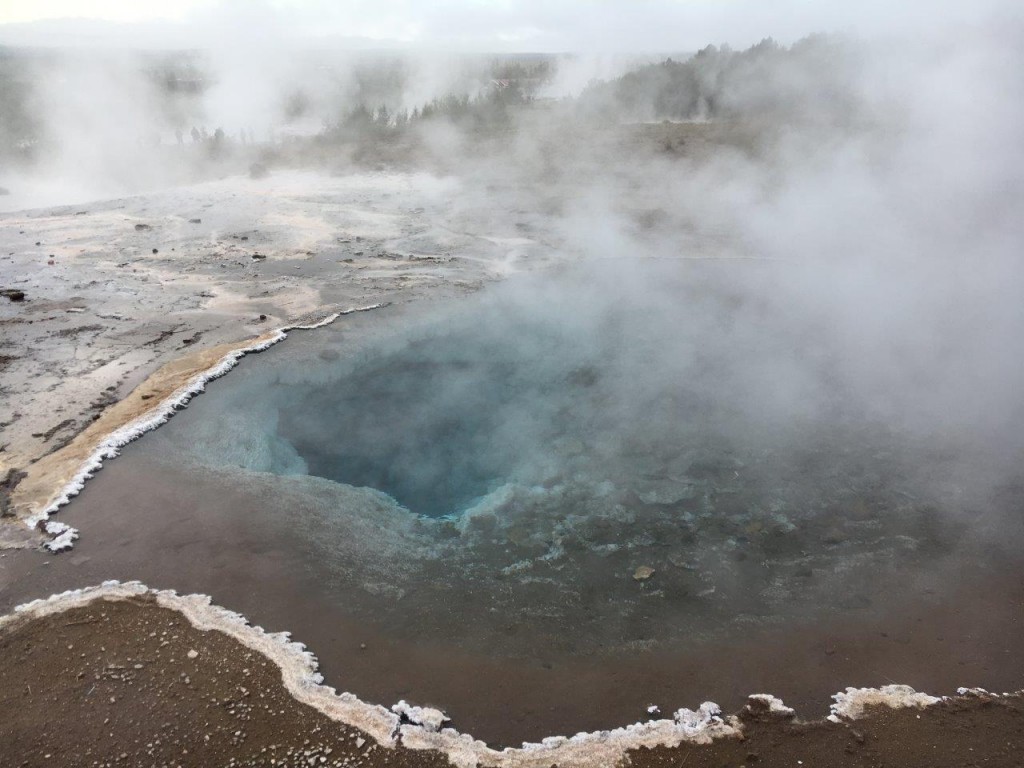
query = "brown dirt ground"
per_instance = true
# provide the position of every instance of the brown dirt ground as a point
(112, 684)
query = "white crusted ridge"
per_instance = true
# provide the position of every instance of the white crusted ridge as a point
(584, 750)
(155, 417)
(774, 704)
(851, 703)
(981, 692)
(63, 536)
(73, 598)
(428, 717)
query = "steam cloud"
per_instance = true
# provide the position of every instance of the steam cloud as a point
(880, 176)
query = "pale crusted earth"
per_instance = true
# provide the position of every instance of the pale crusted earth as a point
(113, 290)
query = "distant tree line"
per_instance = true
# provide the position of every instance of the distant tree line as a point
(488, 110)
(814, 77)
(817, 78)
(19, 128)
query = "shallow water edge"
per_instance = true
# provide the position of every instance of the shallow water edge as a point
(54, 480)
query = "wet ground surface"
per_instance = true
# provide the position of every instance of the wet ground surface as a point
(797, 589)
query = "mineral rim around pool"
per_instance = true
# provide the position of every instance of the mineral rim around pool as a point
(591, 479)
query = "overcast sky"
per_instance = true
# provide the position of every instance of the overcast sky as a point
(476, 25)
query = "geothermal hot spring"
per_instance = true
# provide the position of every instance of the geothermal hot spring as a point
(545, 506)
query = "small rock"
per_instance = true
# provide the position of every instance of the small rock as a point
(142, 227)
(195, 221)
(643, 573)
(834, 536)
(764, 707)
(193, 653)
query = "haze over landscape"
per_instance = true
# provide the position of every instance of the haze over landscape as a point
(625, 340)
